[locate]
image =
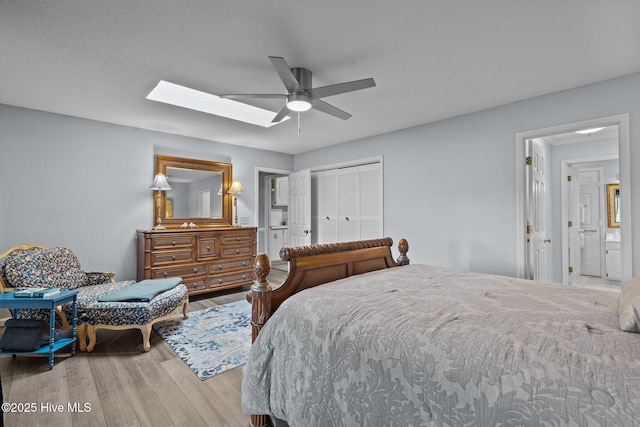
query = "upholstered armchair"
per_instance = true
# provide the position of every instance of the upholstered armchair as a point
(33, 266)
(26, 266)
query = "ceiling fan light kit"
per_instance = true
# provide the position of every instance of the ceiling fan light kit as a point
(299, 102)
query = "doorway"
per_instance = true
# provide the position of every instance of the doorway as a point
(559, 256)
(263, 202)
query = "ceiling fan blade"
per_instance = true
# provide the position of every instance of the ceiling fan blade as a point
(251, 95)
(321, 92)
(285, 74)
(284, 111)
(330, 109)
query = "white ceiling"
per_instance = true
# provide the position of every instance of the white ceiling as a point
(431, 60)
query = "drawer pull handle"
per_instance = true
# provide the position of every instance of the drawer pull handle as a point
(219, 267)
(244, 277)
(165, 274)
(244, 263)
(237, 239)
(219, 280)
(173, 257)
(208, 248)
(173, 242)
(195, 269)
(237, 251)
(195, 285)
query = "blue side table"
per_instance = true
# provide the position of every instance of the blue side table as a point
(7, 300)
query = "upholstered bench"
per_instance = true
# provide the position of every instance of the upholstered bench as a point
(34, 265)
(127, 307)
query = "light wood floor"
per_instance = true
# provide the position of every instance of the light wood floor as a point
(123, 385)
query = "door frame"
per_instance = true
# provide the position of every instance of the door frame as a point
(257, 206)
(624, 156)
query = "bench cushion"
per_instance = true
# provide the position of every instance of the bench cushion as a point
(143, 291)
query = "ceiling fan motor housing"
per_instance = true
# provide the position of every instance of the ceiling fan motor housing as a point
(303, 76)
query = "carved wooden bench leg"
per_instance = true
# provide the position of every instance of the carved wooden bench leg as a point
(185, 309)
(81, 332)
(146, 335)
(91, 333)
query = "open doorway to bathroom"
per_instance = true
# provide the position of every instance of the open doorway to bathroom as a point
(606, 151)
(272, 213)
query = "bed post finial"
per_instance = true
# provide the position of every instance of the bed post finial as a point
(260, 295)
(403, 247)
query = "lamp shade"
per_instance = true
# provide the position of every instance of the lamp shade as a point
(236, 187)
(160, 183)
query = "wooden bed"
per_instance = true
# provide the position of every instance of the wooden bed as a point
(429, 346)
(311, 266)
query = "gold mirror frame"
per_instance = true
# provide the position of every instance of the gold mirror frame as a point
(613, 205)
(164, 162)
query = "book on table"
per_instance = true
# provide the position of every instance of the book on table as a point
(35, 292)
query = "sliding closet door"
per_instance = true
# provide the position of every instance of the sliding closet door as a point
(347, 204)
(324, 206)
(348, 216)
(370, 200)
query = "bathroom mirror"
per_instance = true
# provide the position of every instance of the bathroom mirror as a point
(613, 205)
(198, 192)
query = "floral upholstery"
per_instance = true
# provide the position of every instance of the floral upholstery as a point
(59, 267)
(135, 313)
(8, 258)
(52, 267)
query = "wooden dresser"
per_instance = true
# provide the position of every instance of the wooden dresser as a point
(207, 259)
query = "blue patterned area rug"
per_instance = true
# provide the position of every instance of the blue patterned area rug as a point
(211, 341)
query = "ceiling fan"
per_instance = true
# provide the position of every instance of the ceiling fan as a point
(301, 96)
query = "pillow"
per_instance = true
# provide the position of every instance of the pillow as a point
(629, 306)
(53, 267)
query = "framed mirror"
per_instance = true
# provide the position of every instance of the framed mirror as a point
(613, 205)
(198, 192)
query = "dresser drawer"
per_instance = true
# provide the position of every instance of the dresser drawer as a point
(171, 257)
(169, 242)
(238, 238)
(225, 280)
(225, 266)
(195, 284)
(208, 248)
(231, 251)
(181, 271)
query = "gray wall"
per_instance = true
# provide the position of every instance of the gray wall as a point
(84, 184)
(449, 186)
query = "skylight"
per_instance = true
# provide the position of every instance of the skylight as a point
(181, 96)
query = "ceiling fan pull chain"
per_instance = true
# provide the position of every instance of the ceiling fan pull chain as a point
(298, 124)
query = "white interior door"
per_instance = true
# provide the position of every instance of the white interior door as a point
(591, 247)
(537, 224)
(348, 217)
(371, 201)
(573, 224)
(300, 208)
(324, 205)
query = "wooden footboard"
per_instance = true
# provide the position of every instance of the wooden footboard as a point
(311, 266)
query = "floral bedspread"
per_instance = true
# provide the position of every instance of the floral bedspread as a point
(426, 346)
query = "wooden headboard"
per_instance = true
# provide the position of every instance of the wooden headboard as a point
(311, 266)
